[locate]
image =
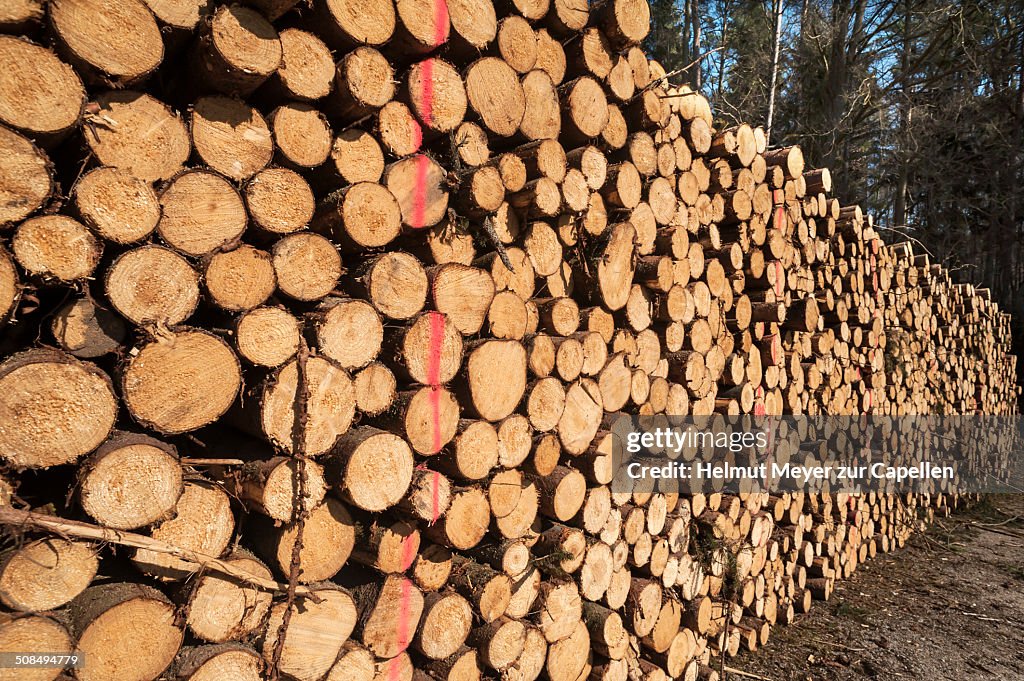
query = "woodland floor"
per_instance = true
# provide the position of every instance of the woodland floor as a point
(949, 605)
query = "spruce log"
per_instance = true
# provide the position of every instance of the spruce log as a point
(152, 285)
(204, 523)
(316, 632)
(441, 106)
(445, 625)
(83, 328)
(357, 156)
(372, 468)
(208, 663)
(46, 573)
(138, 134)
(181, 381)
(116, 205)
(328, 537)
(302, 135)
(40, 95)
(113, 622)
(306, 71)
(240, 279)
(239, 49)
(330, 405)
(194, 231)
(55, 407)
(221, 608)
(308, 266)
(495, 95)
(56, 249)
(25, 178)
(231, 137)
(495, 378)
(131, 481)
(279, 200)
(267, 336)
(418, 184)
(270, 486)
(112, 44)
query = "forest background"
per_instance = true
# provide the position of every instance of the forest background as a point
(916, 106)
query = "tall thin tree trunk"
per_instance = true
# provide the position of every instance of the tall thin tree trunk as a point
(777, 43)
(721, 53)
(899, 211)
(695, 36)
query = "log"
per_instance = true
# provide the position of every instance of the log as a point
(308, 266)
(112, 622)
(238, 50)
(204, 663)
(222, 609)
(46, 573)
(56, 248)
(197, 233)
(116, 205)
(128, 502)
(319, 626)
(40, 387)
(495, 95)
(231, 137)
(41, 96)
(86, 330)
(203, 523)
(327, 540)
(445, 625)
(181, 382)
(267, 336)
(279, 201)
(306, 71)
(241, 279)
(123, 139)
(302, 135)
(82, 28)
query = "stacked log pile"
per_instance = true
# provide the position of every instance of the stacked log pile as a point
(317, 319)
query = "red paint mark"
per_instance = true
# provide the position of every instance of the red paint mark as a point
(434, 376)
(402, 628)
(419, 196)
(408, 551)
(435, 509)
(427, 103)
(759, 409)
(778, 277)
(417, 134)
(440, 22)
(436, 341)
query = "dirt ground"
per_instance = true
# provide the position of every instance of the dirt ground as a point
(949, 605)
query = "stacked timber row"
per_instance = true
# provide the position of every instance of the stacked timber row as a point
(316, 318)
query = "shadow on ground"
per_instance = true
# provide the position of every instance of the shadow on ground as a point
(949, 605)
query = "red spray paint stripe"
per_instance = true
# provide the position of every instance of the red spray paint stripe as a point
(778, 277)
(441, 22)
(435, 509)
(427, 103)
(419, 197)
(402, 628)
(434, 374)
